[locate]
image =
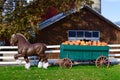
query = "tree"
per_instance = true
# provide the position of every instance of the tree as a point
(24, 19)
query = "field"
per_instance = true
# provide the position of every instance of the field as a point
(81, 72)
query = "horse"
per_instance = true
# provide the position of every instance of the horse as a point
(25, 49)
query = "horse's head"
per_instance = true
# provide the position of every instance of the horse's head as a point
(13, 39)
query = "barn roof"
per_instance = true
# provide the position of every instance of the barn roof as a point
(62, 15)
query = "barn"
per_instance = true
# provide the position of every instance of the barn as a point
(56, 30)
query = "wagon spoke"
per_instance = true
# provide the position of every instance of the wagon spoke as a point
(98, 64)
(107, 62)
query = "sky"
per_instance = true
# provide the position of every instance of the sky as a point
(111, 9)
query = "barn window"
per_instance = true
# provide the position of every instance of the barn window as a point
(88, 34)
(80, 34)
(72, 33)
(95, 34)
(83, 35)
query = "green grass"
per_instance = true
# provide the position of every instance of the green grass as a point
(81, 72)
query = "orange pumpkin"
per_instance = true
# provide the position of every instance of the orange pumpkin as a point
(94, 43)
(98, 43)
(70, 43)
(104, 44)
(83, 43)
(89, 43)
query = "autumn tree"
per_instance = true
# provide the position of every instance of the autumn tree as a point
(25, 18)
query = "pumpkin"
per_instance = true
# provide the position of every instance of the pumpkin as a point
(71, 43)
(89, 43)
(103, 44)
(94, 43)
(83, 43)
(98, 43)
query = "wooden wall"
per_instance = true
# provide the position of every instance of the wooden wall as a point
(83, 20)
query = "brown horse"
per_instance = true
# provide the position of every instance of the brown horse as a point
(26, 49)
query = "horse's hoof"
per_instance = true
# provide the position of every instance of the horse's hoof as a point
(40, 64)
(27, 65)
(18, 61)
(45, 65)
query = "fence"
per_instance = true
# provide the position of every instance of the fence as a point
(7, 53)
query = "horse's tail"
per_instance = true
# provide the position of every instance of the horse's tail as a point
(42, 48)
(45, 46)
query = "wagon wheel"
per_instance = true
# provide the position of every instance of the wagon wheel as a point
(102, 61)
(67, 63)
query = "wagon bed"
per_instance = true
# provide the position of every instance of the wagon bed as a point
(98, 54)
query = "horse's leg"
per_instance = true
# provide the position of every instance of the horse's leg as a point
(40, 62)
(16, 58)
(45, 61)
(26, 59)
(27, 65)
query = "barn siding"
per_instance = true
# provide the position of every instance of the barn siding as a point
(83, 20)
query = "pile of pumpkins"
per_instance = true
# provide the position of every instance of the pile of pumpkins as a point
(82, 42)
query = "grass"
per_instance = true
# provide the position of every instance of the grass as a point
(81, 72)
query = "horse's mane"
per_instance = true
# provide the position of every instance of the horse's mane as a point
(22, 36)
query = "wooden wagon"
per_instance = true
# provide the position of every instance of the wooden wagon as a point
(97, 54)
